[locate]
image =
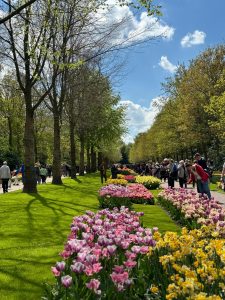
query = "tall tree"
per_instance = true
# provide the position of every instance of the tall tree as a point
(25, 43)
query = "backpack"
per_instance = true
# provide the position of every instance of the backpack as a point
(174, 171)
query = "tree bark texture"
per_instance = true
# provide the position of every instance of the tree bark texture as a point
(100, 158)
(81, 169)
(88, 170)
(56, 167)
(93, 160)
(29, 180)
(72, 151)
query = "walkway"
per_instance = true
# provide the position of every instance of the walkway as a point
(218, 196)
(20, 186)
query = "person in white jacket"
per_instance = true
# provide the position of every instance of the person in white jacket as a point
(5, 175)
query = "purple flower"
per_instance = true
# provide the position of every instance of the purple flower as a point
(60, 266)
(111, 249)
(136, 249)
(66, 281)
(77, 267)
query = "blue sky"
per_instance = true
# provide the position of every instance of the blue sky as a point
(204, 20)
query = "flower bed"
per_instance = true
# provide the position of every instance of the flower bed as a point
(116, 181)
(130, 178)
(150, 182)
(116, 196)
(191, 210)
(119, 176)
(105, 256)
(126, 171)
(188, 266)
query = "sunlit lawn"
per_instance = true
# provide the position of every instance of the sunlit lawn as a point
(34, 228)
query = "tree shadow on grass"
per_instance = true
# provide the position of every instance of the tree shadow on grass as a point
(55, 211)
(14, 274)
(77, 180)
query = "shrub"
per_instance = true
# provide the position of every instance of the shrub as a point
(150, 182)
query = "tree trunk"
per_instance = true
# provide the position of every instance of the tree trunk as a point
(93, 160)
(81, 169)
(35, 147)
(72, 151)
(88, 170)
(100, 158)
(10, 134)
(30, 183)
(56, 167)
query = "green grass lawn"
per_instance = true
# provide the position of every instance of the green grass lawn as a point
(34, 227)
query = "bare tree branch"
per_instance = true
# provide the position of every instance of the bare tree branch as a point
(16, 11)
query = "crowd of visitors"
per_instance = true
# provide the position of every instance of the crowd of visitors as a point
(6, 175)
(197, 172)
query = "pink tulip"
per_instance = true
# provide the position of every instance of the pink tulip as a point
(55, 271)
(77, 267)
(60, 266)
(118, 269)
(111, 249)
(130, 264)
(136, 249)
(125, 244)
(144, 249)
(119, 277)
(94, 284)
(97, 267)
(66, 281)
(65, 254)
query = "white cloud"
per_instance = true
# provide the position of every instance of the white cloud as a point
(195, 38)
(139, 118)
(130, 28)
(167, 65)
(2, 13)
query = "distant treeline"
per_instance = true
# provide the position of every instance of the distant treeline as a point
(191, 113)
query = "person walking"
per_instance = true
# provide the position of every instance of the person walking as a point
(114, 171)
(43, 174)
(102, 170)
(182, 174)
(223, 176)
(37, 172)
(172, 170)
(5, 175)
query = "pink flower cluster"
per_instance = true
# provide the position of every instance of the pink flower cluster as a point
(132, 191)
(129, 178)
(98, 243)
(194, 206)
